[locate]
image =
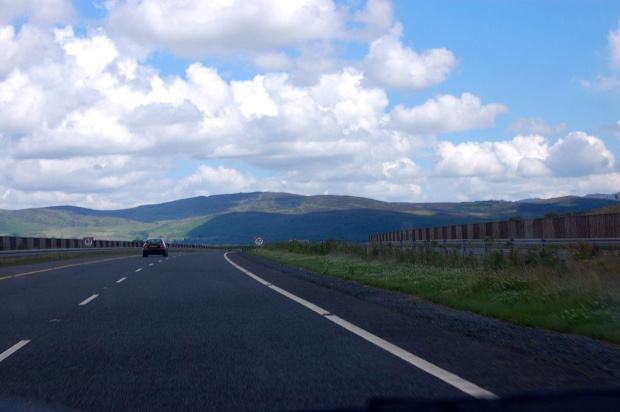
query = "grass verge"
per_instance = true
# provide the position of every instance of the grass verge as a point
(580, 296)
(60, 256)
(54, 257)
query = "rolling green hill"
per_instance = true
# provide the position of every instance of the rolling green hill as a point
(237, 218)
(353, 224)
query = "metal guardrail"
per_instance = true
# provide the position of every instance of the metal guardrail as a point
(23, 245)
(480, 246)
(515, 242)
(64, 251)
(497, 242)
(28, 252)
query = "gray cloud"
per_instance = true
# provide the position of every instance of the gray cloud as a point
(42, 12)
(536, 126)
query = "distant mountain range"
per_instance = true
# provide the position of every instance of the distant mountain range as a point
(235, 219)
(615, 196)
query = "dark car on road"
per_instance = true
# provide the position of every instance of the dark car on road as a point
(155, 246)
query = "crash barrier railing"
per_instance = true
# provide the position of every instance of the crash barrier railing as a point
(487, 246)
(566, 227)
(13, 243)
(59, 251)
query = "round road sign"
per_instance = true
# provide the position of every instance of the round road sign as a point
(259, 241)
(88, 241)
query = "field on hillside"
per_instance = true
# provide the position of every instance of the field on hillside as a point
(52, 223)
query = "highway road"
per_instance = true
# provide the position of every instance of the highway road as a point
(209, 331)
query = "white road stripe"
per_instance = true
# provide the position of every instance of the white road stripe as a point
(120, 280)
(138, 270)
(448, 377)
(151, 264)
(13, 349)
(88, 300)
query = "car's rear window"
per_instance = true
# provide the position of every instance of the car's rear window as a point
(154, 241)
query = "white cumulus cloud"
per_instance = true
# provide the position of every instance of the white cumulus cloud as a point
(527, 156)
(614, 45)
(492, 159)
(252, 98)
(85, 121)
(391, 65)
(91, 54)
(608, 81)
(468, 159)
(446, 114)
(354, 105)
(401, 169)
(112, 107)
(197, 28)
(207, 180)
(377, 18)
(580, 155)
(29, 47)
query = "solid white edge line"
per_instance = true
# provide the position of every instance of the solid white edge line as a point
(448, 377)
(120, 280)
(13, 349)
(88, 300)
(442, 374)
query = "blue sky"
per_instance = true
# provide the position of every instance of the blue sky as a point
(527, 54)
(116, 103)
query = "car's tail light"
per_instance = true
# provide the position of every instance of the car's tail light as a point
(145, 247)
(161, 246)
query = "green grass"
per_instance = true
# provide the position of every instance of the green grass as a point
(581, 297)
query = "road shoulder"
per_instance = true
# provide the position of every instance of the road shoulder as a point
(487, 351)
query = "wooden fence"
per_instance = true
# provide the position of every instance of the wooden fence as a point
(568, 227)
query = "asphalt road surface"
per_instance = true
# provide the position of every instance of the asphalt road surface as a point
(194, 332)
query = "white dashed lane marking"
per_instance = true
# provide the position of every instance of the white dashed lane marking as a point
(88, 300)
(120, 280)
